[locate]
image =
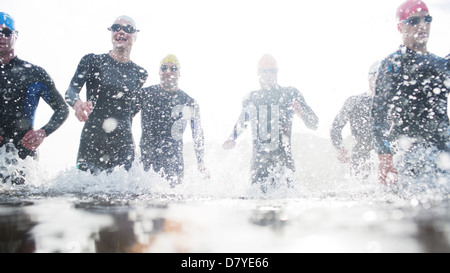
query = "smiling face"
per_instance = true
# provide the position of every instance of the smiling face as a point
(122, 40)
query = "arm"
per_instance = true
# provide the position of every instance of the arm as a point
(385, 86)
(304, 111)
(53, 98)
(238, 129)
(199, 139)
(379, 111)
(82, 109)
(338, 124)
(137, 98)
(137, 102)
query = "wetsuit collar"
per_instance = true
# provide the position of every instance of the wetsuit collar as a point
(169, 91)
(275, 87)
(11, 63)
(110, 55)
(406, 50)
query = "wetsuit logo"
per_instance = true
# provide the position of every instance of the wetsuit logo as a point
(7, 93)
(181, 113)
(266, 136)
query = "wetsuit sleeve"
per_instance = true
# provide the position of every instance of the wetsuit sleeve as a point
(54, 99)
(309, 117)
(78, 80)
(385, 87)
(241, 123)
(198, 134)
(447, 58)
(137, 99)
(339, 123)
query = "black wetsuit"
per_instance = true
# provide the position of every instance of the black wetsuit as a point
(271, 115)
(410, 102)
(447, 58)
(21, 86)
(164, 116)
(112, 87)
(356, 111)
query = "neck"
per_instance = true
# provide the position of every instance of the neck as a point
(119, 55)
(169, 87)
(418, 48)
(6, 58)
(269, 86)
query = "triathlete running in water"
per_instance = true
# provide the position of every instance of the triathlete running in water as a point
(270, 111)
(166, 110)
(22, 85)
(112, 83)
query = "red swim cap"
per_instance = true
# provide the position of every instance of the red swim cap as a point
(409, 7)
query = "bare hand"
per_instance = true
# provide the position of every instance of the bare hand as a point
(33, 139)
(202, 169)
(297, 108)
(82, 110)
(386, 167)
(343, 155)
(229, 144)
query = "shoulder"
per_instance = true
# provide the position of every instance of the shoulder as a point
(151, 88)
(349, 102)
(436, 58)
(390, 64)
(353, 98)
(292, 93)
(251, 96)
(292, 90)
(22, 64)
(358, 99)
(361, 96)
(140, 70)
(438, 62)
(19, 63)
(391, 60)
(31, 69)
(394, 55)
(150, 93)
(92, 58)
(187, 97)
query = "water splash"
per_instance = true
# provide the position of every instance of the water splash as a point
(319, 176)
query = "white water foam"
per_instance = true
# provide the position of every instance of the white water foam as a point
(318, 175)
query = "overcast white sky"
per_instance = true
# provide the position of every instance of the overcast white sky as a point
(324, 48)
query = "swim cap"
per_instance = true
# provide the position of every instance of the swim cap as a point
(267, 61)
(409, 7)
(7, 21)
(171, 59)
(129, 19)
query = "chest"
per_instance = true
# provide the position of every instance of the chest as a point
(163, 103)
(15, 85)
(360, 108)
(117, 79)
(271, 106)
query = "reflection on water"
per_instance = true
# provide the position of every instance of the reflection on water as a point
(215, 226)
(15, 229)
